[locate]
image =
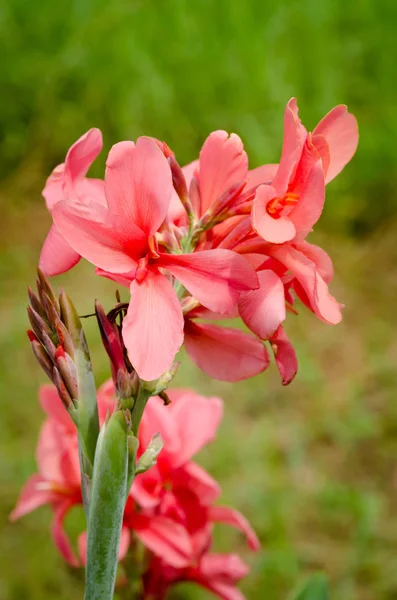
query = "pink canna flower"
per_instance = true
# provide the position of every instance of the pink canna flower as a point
(120, 241)
(292, 204)
(68, 180)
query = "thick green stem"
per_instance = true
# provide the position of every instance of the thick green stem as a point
(139, 407)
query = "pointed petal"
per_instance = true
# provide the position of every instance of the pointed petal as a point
(153, 327)
(321, 301)
(56, 255)
(197, 419)
(294, 139)
(58, 533)
(165, 538)
(223, 163)
(261, 175)
(263, 310)
(52, 405)
(35, 493)
(340, 129)
(276, 231)
(224, 353)
(215, 277)
(101, 237)
(311, 202)
(284, 355)
(229, 516)
(320, 258)
(80, 157)
(138, 184)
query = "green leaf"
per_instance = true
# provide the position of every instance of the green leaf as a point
(108, 493)
(314, 589)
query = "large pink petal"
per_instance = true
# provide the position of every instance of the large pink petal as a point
(98, 235)
(321, 301)
(58, 533)
(223, 163)
(263, 310)
(340, 129)
(261, 175)
(229, 516)
(80, 157)
(215, 277)
(197, 419)
(138, 183)
(35, 493)
(153, 327)
(56, 255)
(91, 190)
(165, 538)
(274, 230)
(224, 353)
(52, 405)
(284, 355)
(311, 202)
(294, 139)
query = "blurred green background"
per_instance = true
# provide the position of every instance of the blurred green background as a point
(314, 465)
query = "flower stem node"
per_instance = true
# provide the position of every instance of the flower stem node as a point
(149, 457)
(159, 385)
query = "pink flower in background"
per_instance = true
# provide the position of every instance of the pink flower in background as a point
(68, 180)
(170, 508)
(120, 240)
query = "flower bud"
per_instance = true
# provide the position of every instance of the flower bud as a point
(42, 357)
(149, 457)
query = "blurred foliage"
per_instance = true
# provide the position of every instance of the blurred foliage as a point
(178, 69)
(314, 465)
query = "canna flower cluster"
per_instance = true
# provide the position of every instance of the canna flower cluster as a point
(170, 508)
(209, 241)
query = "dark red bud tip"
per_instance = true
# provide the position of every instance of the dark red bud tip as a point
(32, 336)
(59, 353)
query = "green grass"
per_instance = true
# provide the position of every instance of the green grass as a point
(313, 466)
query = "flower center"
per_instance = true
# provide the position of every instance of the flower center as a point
(276, 207)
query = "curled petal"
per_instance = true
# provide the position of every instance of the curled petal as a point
(225, 514)
(276, 231)
(138, 184)
(263, 310)
(223, 163)
(153, 327)
(260, 175)
(340, 130)
(224, 353)
(294, 140)
(311, 202)
(215, 277)
(319, 257)
(57, 256)
(284, 355)
(80, 157)
(58, 533)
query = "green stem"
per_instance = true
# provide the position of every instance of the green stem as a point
(139, 407)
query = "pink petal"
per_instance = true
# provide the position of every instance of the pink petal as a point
(284, 355)
(138, 183)
(274, 230)
(223, 163)
(92, 190)
(106, 399)
(224, 353)
(53, 190)
(56, 255)
(52, 405)
(199, 482)
(49, 451)
(220, 573)
(319, 257)
(102, 238)
(263, 310)
(321, 146)
(80, 157)
(153, 327)
(176, 211)
(215, 277)
(197, 419)
(157, 419)
(311, 202)
(294, 139)
(60, 538)
(340, 129)
(260, 175)
(224, 514)
(35, 493)
(165, 538)
(321, 301)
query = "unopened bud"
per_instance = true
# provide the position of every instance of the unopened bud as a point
(43, 285)
(50, 310)
(179, 181)
(38, 324)
(62, 391)
(64, 337)
(35, 302)
(111, 341)
(149, 457)
(194, 195)
(42, 358)
(126, 384)
(68, 375)
(72, 322)
(49, 346)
